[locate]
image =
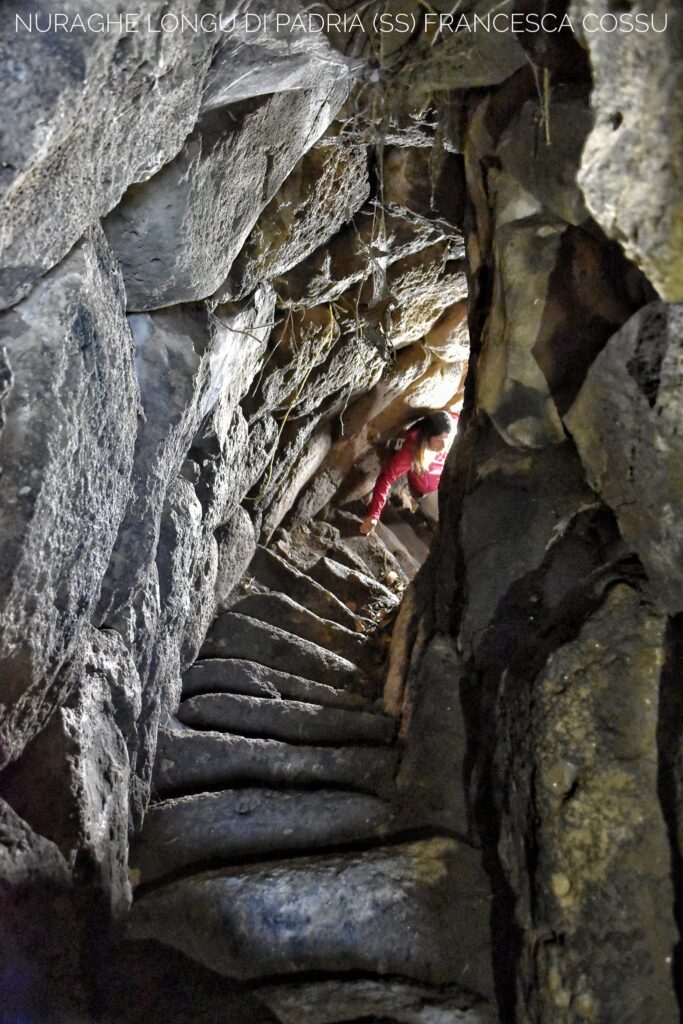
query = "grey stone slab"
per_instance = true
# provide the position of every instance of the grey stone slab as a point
(72, 782)
(630, 165)
(233, 675)
(239, 636)
(225, 675)
(289, 720)
(189, 761)
(280, 610)
(277, 574)
(242, 823)
(339, 1001)
(378, 559)
(626, 422)
(91, 112)
(351, 585)
(418, 910)
(431, 779)
(236, 546)
(190, 363)
(177, 235)
(259, 58)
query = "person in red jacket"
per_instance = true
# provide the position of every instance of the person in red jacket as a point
(421, 458)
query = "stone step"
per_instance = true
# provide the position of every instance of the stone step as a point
(378, 560)
(317, 539)
(288, 720)
(337, 1001)
(276, 573)
(352, 586)
(238, 824)
(418, 910)
(280, 610)
(190, 761)
(239, 636)
(233, 675)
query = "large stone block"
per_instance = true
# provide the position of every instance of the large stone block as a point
(260, 57)
(236, 546)
(72, 782)
(540, 493)
(468, 58)
(626, 423)
(191, 364)
(177, 235)
(432, 775)
(344, 1001)
(417, 910)
(511, 385)
(66, 455)
(578, 774)
(325, 189)
(630, 168)
(556, 139)
(91, 112)
(39, 927)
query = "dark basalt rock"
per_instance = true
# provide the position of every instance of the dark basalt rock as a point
(239, 636)
(626, 424)
(233, 675)
(236, 824)
(197, 761)
(288, 720)
(351, 912)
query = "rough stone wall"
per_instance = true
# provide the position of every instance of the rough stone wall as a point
(206, 264)
(551, 601)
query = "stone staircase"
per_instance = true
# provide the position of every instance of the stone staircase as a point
(280, 850)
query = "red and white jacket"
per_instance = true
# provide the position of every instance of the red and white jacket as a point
(399, 465)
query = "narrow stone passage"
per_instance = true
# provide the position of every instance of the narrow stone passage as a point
(281, 849)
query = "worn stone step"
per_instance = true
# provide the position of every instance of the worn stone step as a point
(351, 585)
(337, 1001)
(237, 824)
(233, 675)
(379, 561)
(189, 761)
(280, 610)
(289, 720)
(239, 636)
(316, 539)
(418, 910)
(276, 573)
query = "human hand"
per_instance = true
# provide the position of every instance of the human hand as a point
(367, 526)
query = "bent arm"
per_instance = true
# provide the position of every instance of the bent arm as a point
(397, 466)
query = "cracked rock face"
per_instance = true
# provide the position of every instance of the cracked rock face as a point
(67, 448)
(177, 235)
(103, 110)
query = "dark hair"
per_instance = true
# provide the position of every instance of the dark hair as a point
(433, 425)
